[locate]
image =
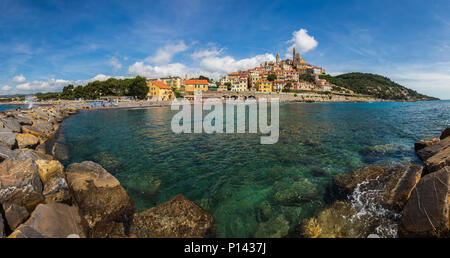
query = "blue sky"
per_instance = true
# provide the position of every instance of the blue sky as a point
(45, 45)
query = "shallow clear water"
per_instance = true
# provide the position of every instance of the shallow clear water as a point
(251, 189)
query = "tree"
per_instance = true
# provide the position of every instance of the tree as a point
(271, 77)
(287, 87)
(138, 87)
(228, 85)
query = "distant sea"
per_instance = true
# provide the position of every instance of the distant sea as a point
(8, 107)
(247, 186)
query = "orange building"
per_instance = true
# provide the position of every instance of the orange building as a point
(159, 91)
(196, 85)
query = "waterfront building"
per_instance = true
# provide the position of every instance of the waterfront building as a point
(264, 86)
(159, 91)
(222, 88)
(196, 85)
(173, 82)
(240, 85)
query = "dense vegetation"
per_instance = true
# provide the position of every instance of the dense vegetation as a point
(375, 85)
(135, 87)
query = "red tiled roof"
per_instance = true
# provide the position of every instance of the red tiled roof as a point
(189, 82)
(160, 85)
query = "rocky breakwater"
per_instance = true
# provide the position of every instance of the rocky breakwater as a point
(41, 198)
(391, 200)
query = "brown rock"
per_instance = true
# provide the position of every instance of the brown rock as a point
(423, 144)
(60, 151)
(7, 138)
(99, 196)
(2, 227)
(426, 213)
(20, 183)
(445, 133)
(6, 152)
(51, 173)
(432, 150)
(53, 220)
(11, 123)
(346, 183)
(439, 160)
(15, 215)
(400, 194)
(177, 218)
(27, 154)
(26, 140)
(42, 148)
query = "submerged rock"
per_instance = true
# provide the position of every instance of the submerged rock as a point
(53, 220)
(60, 151)
(108, 161)
(100, 197)
(426, 213)
(298, 192)
(176, 218)
(334, 222)
(277, 227)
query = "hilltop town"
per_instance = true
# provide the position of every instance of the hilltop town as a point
(271, 76)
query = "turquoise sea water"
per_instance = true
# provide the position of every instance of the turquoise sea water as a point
(251, 189)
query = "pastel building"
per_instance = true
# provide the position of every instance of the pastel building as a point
(196, 85)
(264, 86)
(159, 91)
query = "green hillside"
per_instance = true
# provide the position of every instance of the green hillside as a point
(375, 85)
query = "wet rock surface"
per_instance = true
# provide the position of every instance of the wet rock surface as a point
(176, 218)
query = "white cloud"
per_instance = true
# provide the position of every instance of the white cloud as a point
(211, 66)
(206, 53)
(228, 64)
(6, 88)
(302, 42)
(164, 55)
(55, 84)
(114, 62)
(19, 79)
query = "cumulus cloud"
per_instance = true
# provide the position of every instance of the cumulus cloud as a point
(19, 79)
(114, 62)
(6, 88)
(206, 53)
(228, 64)
(210, 65)
(302, 42)
(165, 54)
(54, 84)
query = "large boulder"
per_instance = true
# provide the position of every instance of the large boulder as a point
(445, 133)
(7, 137)
(100, 197)
(26, 140)
(52, 220)
(176, 218)
(426, 213)
(11, 123)
(423, 144)
(20, 183)
(15, 215)
(52, 176)
(399, 195)
(6, 152)
(24, 154)
(428, 152)
(439, 160)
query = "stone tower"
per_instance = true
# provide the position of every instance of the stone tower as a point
(278, 58)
